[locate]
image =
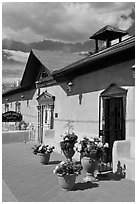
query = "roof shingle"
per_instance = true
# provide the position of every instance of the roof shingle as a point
(56, 60)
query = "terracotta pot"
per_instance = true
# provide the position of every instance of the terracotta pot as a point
(89, 165)
(66, 182)
(44, 158)
(69, 154)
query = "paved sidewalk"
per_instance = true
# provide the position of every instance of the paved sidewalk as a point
(7, 195)
(25, 179)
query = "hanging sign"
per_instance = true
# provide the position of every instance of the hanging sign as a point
(11, 116)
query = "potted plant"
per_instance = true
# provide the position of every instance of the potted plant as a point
(92, 152)
(68, 142)
(35, 148)
(67, 172)
(44, 152)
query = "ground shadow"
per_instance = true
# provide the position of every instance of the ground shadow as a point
(118, 175)
(54, 162)
(110, 176)
(84, 186)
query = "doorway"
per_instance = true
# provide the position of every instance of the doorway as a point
(112, 117)
(114, 122)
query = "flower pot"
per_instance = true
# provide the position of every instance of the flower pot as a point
(89, 165)
(69, 154)
(66, 182)
(44, 158)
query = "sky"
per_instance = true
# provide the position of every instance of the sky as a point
(69, 22)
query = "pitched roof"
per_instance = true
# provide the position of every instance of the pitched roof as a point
(113, 33)
(56, 60)
(39, 61)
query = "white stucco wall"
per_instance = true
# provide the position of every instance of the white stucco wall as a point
(85, 116)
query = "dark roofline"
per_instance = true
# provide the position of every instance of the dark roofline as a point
(15, 90)
(117, 48)
(28, 79)
(109, 29)
(41, 61)
(31, 75)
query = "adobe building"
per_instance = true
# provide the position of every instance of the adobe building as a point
(95, 92)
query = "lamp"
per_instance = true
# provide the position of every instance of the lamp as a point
(22, 97)
(70, 85)
(133, 71)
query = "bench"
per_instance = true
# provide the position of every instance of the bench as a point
(123, 158)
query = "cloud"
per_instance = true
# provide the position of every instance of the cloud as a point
(16, 55)
(12, 73)
(71, 22)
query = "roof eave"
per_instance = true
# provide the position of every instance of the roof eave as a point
(95, 57)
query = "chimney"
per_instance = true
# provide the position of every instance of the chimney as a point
(107, 34)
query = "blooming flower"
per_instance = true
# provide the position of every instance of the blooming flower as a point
(61, 163)
(106, 145)
(100, 144)
(78, 146)
(68, 168)
(91, 139)
(92, 147)
(41, 148)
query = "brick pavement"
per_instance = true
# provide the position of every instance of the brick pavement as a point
(29, 181)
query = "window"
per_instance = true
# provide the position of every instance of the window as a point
(17, 107)
(48, 112)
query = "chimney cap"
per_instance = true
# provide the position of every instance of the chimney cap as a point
(108, 32)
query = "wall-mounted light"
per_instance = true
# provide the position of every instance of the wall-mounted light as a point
(7, 99)
(22, 97)
(133, 71)
(70, 86)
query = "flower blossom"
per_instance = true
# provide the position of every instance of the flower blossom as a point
(106, 145)
(78, 147)
(40, 148)
(61, 163)
(91, 139)
(100, 144)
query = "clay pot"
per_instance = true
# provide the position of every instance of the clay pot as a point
(44, 158)
(89, 165)
(66, 182)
